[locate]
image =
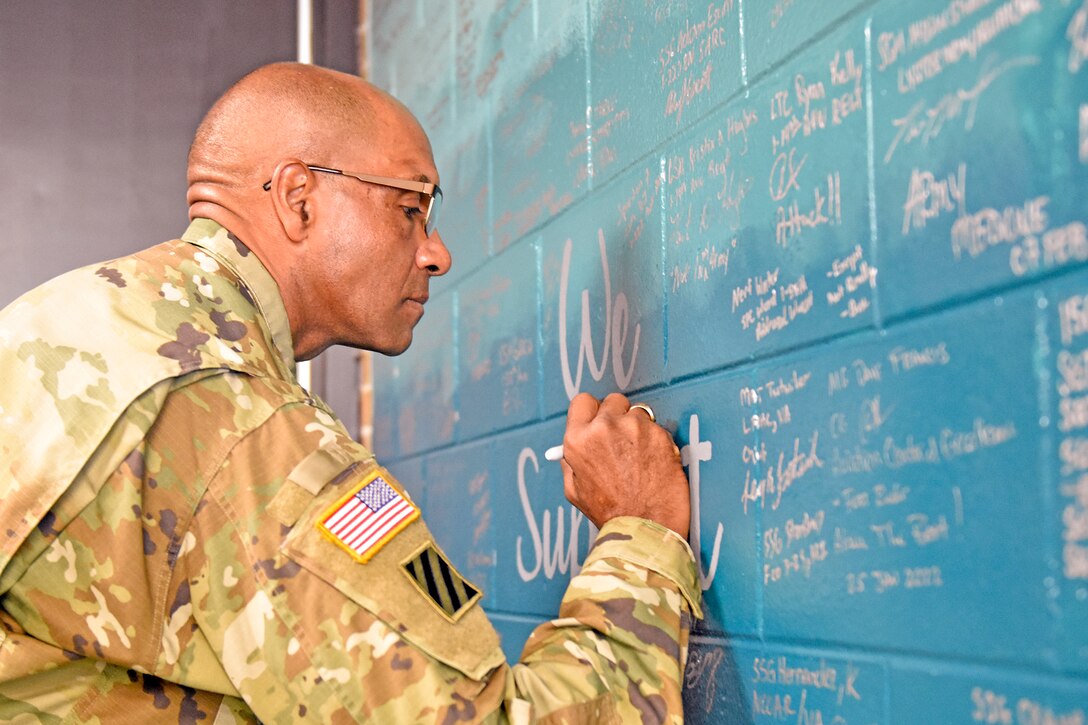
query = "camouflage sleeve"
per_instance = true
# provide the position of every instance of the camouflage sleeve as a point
(323, 595)
(616, 652)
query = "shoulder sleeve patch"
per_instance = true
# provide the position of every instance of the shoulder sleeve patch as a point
(453, 629)
(439, 582)
(369, 516)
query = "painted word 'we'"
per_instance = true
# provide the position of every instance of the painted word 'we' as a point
(617, 323)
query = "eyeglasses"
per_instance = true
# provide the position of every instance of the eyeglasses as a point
(430, 194)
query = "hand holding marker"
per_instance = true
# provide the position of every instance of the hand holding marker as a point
(555, 453)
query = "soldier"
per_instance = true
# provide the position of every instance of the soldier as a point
(189, 535)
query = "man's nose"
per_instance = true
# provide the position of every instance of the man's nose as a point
(433, 255)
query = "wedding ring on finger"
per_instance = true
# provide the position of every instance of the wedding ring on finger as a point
(644, 407)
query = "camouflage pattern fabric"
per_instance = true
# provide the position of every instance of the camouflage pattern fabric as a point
(181, 575)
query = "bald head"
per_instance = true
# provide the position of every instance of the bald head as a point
(280, 110)
(284, 111)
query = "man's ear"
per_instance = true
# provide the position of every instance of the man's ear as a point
(292, 190)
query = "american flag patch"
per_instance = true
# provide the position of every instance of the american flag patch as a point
(364, 520)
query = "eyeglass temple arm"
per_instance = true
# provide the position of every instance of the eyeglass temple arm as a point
(267, 186)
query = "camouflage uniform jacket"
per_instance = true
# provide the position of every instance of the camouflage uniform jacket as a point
(169, 553)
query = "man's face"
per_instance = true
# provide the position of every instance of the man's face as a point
(376, 259)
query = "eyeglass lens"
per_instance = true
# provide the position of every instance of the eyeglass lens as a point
(432, 211)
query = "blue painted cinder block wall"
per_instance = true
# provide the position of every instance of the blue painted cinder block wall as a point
(840, 246)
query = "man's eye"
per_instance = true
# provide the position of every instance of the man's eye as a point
(412, 211)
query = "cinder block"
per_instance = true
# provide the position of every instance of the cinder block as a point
(767, 223)
(953, 693)
(426, 88)
(458, 500)
(463, 158)
(656, 67)
(416, 407)
(774, 30)
(901, 503)
(541, 537)
(1063, 379)
(400, 30)
(541, 159)
(602, 319)
(706, 418)
(499, 346)
(978, 176)
(753, 683)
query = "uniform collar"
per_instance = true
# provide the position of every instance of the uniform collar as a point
(263, 289)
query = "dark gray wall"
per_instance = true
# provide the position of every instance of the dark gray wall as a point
(100, 101)
(98, 104)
